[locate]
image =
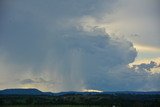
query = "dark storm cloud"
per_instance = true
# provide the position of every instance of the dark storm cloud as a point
(145, 66)
(38, 40)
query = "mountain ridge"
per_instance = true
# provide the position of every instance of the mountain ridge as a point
(34, 91)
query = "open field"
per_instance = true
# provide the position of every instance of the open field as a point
(105, 100)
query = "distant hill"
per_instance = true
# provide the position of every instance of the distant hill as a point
(23, 92)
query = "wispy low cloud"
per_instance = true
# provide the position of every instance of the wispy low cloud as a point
(27, 81)
(147, 67)
(40, 83)
(35, 81)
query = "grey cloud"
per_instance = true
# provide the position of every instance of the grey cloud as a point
(31, 23)
(90, 56)
(27, 81)
(36, 81)
(145, 66)
(37, 44)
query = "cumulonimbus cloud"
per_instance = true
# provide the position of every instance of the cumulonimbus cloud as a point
(40, 44)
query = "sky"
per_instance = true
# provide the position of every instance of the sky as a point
(80, 45)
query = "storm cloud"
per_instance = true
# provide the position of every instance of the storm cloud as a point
(44, 45)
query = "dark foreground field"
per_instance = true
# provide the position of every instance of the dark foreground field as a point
(105, 100)
(52, 106)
